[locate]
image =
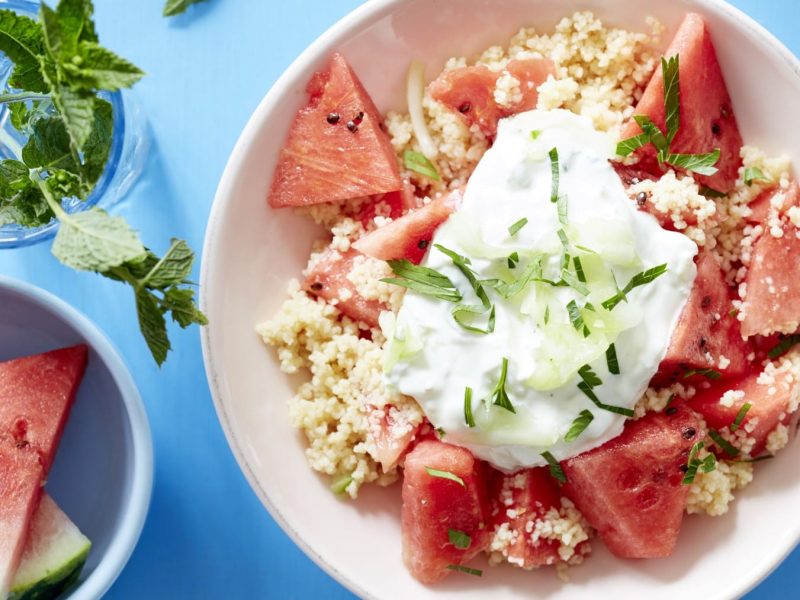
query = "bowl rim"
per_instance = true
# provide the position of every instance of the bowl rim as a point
(137, 503)
(361, 17)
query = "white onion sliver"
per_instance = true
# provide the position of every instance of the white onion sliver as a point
(415, 90)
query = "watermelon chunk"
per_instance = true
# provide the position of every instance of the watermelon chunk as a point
(761, 205)
(521, 504)
(328, 279)
(772, 301)
(392, 433)
(325, 161)
(409, 236)
(707, 118)
(630, 488)
(398, 203)
(36, 394)
(469, 91)
(432, 506)
(706, 330)
(767, 410)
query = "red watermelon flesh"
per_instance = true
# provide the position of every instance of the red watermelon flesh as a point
(630, 488)
(761, 205)
(328, 280)
(706, 330)
(772, 301)
(398, 202)
(521, 500)
(707, 119)
(326, 161)
(767, 410)
(470, 91)
(392, 433)
(36, 394)
(409, 236)
(434, 505)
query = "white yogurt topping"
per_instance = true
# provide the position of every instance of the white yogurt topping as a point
(433, 359)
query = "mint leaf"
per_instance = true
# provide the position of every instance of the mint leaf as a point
(672, 105)
(702, 164)
(173, 268)
(98, 144)
(98, 68)
(180, 303)
(48, 146)
(176, 7)
(22, 41)
(752, 174)
(77, 110)
(628, 146)
(555, 467)
(419, 163)
(653, 133)
(152, 325)
(579, 425)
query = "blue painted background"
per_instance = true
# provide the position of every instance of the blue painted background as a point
(207, 535)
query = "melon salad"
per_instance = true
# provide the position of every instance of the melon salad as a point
(558, 299)
(42, 552)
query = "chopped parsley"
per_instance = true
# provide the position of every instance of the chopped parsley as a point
(703, 164)
(445, 475)
(611, 360)
(419, 163)
(554, 174)
(467, 570)
(499, 395)
(555, 468)
(740, 416)
(784, 345)
(712, 374)
(726, 446)
(459, 539)
(752, 174)
(423, 280)
(637, 280)
(468, 418)
(579, 425)
(515, 227)
(620, 410)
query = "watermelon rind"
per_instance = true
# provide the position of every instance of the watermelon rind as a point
(54, 555)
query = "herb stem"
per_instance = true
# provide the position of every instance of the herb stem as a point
(22, 97)
(36, 177)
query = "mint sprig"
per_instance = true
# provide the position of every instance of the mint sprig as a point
(53, 98)
(703, 163)
(176, 7)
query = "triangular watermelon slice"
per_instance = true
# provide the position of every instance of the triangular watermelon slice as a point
(707, 119)
(337, 148)
(36, 394)
(630, 489)
(444, 491)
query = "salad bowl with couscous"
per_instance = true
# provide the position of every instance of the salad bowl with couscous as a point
(527, 300)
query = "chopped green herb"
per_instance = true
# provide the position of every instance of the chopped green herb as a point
(752, 174)
(629, 146)
(423, 280)
(585, 249)
(513, 260)
(462, 262)
(561, 206)
(670, 400)
(733, 312)
(499, 394)
(620, 410)
(464, 315)
(176, 7)
(459, 539)
(576, 260)
(514, 229)
(440, 432)
(445, 475)
(467, 570)
(535, 134)
(654, 134)
(611, 360)
(754, 460)
(575, 317)
(708, 464)
(468, 418)
(546, 314)
(784, 345)
(672, 94)
(726, 446)
(340, 484)
(712, 374)
(702, 164)
(554, 174)
(419, 163)
(637, 280)
(589, 376)
(740, 416)
(711, 192)
(574, 282)
(565, 259)
(555, 468)
(579, 425)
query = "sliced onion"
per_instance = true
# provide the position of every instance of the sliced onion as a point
(415, 91)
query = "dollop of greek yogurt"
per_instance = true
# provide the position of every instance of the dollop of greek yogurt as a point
(543, 196)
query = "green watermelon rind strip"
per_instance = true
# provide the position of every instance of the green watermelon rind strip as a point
(54, 583)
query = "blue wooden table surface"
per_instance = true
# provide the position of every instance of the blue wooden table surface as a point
(207, 535)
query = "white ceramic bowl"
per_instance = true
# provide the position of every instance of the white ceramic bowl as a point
(103, 473)
(251, 252)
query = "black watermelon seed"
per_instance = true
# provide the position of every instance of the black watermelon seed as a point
(333, 118)
(464, 108)
(422, 244)
(316, 286)
(671, 410)
(641, 198)
(689, 433)
(351, 126)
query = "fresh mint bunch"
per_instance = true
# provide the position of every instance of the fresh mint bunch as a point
(176, 7)
(52, 96)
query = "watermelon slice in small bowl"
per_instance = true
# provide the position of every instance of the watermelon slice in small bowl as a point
(105, 445)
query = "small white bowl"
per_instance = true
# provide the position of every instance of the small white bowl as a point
(251, 252)
(103, 473)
